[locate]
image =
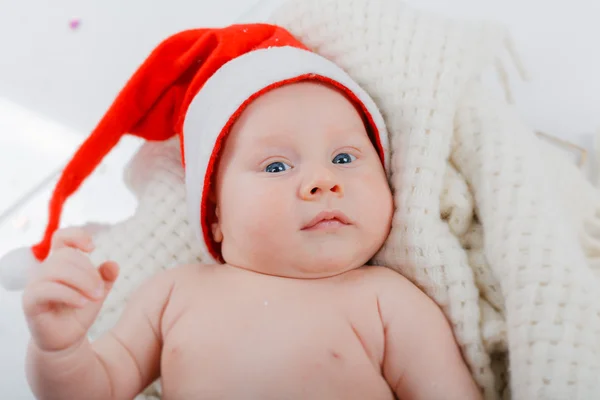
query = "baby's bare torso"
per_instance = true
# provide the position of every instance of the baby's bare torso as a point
(235, 334)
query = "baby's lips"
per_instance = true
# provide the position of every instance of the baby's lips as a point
(328, 215)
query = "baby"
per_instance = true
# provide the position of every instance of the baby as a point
(299, 204)
(302, 204)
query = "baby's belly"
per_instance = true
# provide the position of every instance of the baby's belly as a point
(281, 360)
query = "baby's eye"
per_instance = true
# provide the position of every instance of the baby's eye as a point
(276, 167)
(343, 158)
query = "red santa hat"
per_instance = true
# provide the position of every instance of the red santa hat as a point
(195, 84)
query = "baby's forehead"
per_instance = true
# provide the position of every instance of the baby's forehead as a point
(298, 113)
(275, 135)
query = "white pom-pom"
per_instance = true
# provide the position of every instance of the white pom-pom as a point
(15, 268)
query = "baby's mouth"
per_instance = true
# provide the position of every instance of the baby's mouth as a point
(327, 220)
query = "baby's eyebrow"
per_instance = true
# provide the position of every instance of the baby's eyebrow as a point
(267, 150)
(274, 149)
(354, 137)
(354, 129)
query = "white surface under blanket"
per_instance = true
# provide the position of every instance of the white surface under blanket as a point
(31, 150)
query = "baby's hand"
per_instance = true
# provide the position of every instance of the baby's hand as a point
(65, 294)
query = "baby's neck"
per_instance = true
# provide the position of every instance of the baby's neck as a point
(284, 273)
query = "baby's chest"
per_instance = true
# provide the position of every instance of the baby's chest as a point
(273, 340)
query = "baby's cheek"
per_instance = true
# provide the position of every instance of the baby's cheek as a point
(376, 202)
(266, 212)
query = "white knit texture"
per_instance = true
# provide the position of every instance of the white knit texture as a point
(157, 237)
(503, 261)
(550, 296)
(483, 225)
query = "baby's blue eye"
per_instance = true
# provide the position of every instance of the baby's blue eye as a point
(276, 167)
(343, 158)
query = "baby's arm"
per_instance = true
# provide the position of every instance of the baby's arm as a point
(130, 352)
(422, 359)
(61, 362)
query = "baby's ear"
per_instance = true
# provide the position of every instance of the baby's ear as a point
(217, 234)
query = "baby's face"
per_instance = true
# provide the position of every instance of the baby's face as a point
(297, 155)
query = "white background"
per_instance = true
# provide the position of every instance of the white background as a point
(72, 76)
(55, 83)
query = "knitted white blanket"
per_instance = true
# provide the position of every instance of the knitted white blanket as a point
(488, 220)
(479, 223)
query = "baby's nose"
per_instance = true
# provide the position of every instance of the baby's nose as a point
(322, 185)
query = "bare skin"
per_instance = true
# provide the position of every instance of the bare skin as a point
(306, 321)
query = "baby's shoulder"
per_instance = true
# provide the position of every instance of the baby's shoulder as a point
(381, 276)
(390, 285)
(174, 276)
(397, 297)
(163, 286)
(187, 272)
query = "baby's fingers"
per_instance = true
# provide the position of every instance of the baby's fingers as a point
(109, 271)
(47, 294)
(81, 278)
(74, 237)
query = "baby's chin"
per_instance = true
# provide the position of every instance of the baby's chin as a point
(322, 266)
(330, 257)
